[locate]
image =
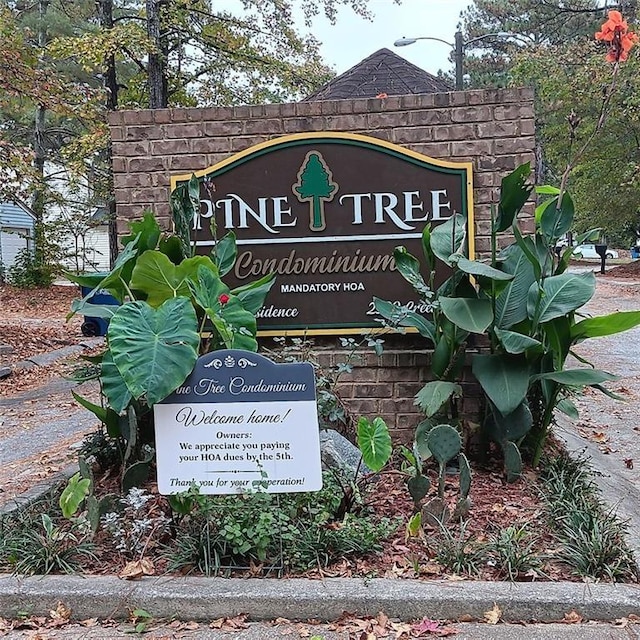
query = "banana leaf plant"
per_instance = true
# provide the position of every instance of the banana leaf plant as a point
(174, 308)
(526, 303)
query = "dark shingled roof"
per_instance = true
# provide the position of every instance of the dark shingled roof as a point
(382, 72)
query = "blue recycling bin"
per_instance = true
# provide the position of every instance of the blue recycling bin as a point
(94, 326)
(635, 253)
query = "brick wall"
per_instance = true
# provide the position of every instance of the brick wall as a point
(494, 129)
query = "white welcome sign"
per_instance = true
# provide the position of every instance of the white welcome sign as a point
(240, 423)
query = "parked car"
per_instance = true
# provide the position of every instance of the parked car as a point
(589, 251)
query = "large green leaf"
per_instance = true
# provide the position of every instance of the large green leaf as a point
(146, 231)
(605, 325)
(511, 307)
(409, 269)
(154, 349)
(470, 314)
(113, 385)
(107, 416)
(514, 342)
(206, 288)
(560, 295)
(577, 377)
(224, 253)
(568, 408)
(558, 339)
(426, 248)
(556, 220)
(185, 205)
(374, 442)
(434, 394)
(155, 275)
(74, 493)
(513, 426)
(448, 238)
(235, 325)
(171, 246)
(112, 281)
(93, 310)
(504, 378)
(514, 192)
(441, 358)
(528, 246)
(475, 268)
(242, 324)
(253, 294)
(88, 280)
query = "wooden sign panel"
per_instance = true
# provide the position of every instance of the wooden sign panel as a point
(324, 211)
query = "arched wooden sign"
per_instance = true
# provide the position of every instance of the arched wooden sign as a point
(325, 211)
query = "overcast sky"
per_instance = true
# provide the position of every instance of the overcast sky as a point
(353, 38)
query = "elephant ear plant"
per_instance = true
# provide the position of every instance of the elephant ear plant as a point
(174, 308)
(525, 304)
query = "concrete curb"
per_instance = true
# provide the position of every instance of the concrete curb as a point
(301, 599)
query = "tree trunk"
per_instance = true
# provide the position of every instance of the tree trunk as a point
(156, 71)
(40, 152)
(110, 80)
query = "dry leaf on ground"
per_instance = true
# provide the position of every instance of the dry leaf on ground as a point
(137, 568)
(493, 615)
(573, 617)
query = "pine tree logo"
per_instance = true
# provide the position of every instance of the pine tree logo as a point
(315, 185)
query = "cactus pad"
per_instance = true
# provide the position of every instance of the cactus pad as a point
(418, 488)
(444, 443)
(512, 461)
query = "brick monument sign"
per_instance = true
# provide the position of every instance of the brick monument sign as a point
(489, 131)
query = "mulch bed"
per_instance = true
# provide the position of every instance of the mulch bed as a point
(630, 270)
(496, 506)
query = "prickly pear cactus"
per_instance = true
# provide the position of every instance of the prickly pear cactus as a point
(444, 443)
(512, 461)
(418, 488)
(465, 476)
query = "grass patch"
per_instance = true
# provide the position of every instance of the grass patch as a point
(591, 536)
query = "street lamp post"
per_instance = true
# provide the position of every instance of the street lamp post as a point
(458, 47)
(458, 55)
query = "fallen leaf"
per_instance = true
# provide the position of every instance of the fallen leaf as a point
(573, 617)
(382, 95)
(628, 463)
(599, 436)
(431, 627)
(230, 624)
(493, 615)
(136, 569)
(89, 622)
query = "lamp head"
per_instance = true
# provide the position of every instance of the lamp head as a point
(403, 42)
